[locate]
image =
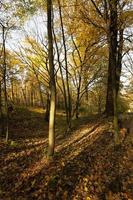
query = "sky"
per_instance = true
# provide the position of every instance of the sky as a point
(34, 26)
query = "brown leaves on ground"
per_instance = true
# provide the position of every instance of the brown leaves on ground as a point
(86, 166)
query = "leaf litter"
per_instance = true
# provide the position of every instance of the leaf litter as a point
(86, 166)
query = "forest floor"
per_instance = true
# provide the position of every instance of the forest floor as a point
(86, 166)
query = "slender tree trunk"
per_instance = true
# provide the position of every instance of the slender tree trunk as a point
(1, 110)
(39, 86)
(31, 96)
(99, 105)
(40, 94)
(5, 83)
(77, 107)
(66, 68)
(52, 81)
(62, 79)
(12, 90)
(80, 73)
(24, 96)
(47, 108)
(78, 99)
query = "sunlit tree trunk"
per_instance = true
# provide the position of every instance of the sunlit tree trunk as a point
(52, 81)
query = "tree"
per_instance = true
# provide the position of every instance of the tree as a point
(4, 70)
(52, 80)
(111, 102)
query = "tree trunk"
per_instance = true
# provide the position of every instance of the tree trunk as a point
(12, 90)
(31, 95)
(78, 99)
(52, 81)
(39, 87)
(24, 97)
(4, 81)
(62, 79)
(47, 108)
(41, 95)
(111, 101)
(66, 69)
(1, 111)
(99, 105)
(109, 110)
(119, 61)
(112, 40)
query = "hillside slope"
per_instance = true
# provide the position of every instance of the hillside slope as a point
(86, 166)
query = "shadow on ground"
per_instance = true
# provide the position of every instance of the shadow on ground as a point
(85, 165)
